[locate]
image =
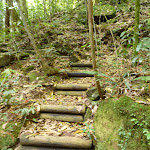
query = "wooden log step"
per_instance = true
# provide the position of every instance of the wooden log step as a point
(72, 87)
(71, 93)
(46, 148)
(79, 74)
(58, 142)
(63, 109)
(81, 65)
(62, 117)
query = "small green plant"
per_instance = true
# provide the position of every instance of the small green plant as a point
(127, 37)
(6, 92)
(89, 130)
(24, 112)
(143, 51)
(124, 138)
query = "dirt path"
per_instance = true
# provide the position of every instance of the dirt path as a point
(62, 123)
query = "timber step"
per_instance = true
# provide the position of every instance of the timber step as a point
(89, 65)
(79, 74)
(71, 93)
(63, 113)
(54, 142)
(46, 148)
(62, 109)
(62, 117)
(72, 87)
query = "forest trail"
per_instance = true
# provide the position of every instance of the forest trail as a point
(62, 118)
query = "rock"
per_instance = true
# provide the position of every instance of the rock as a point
(88, 114)
(32, 76)
(103, 13)
(6, 59)
(74, 59)
(93, 94)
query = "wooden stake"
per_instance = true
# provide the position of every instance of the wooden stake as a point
(90, 21)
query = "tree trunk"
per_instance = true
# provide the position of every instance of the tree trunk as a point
(24, 8)
(136, 28)
(7, 17)
(45, 11)
(28, 30)
(90, 21)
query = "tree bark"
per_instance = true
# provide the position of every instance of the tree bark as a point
(24, 8)
(90, 21)
(7, 17)
(136, 28)
(28, 30)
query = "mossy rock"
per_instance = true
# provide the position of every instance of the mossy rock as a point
(51, 71)
(93, 94)
(103, 13)
(6, 59)
(32, 76)
(122, 119)
(88, 114)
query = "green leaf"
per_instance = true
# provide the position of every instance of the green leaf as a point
(122, 34)
(127, 84)
(134, 60)
(138, 47)
(104, 75)
(143, 78)
(9, 92)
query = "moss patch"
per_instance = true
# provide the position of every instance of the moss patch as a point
(106, 124)
(122, 124)
(104, 10)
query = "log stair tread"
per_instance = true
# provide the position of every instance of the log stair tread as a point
(71, 93)
(55, 142)
(89, 65)
(79, 74)
(62, 109)
(72, 87)
(64, 113)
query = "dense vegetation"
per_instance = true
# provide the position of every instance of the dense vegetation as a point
(33, 37)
